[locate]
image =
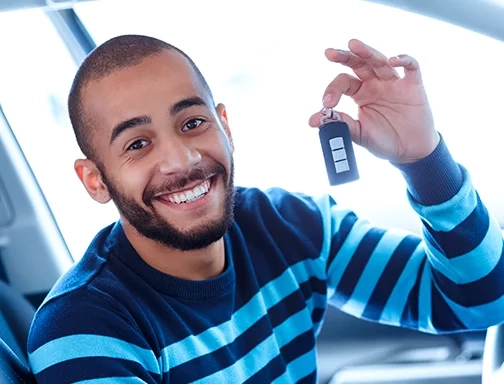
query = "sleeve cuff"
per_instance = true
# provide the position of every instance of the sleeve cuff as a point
(433, 179)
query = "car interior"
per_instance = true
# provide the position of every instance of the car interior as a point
(36, 246)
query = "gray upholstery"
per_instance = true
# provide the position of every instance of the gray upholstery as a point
(12, 370)
(16, 314)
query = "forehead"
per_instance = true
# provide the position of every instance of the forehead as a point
(159, 80)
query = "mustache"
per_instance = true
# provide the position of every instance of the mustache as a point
(180, 182)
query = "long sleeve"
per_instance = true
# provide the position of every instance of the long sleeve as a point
(92, 342)
(447, 280)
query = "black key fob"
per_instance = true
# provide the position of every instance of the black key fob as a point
(338, 152)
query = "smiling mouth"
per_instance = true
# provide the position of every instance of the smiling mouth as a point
(189, 195)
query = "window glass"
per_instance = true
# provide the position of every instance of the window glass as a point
(266, 62)
(36, 71)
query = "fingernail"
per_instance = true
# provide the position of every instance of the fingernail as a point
(327, 98)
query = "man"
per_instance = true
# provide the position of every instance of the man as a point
(204, 282)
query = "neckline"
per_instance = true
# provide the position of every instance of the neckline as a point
(120, 247)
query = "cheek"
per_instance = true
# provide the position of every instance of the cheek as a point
(224, 145)
(222, 152)
(215, 144)
(133, 183)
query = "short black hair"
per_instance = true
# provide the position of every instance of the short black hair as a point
(117, 53)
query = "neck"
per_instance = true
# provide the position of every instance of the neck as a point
(199, 264)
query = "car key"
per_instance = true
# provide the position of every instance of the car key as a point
(337, 148)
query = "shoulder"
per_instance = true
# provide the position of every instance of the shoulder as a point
(86, 334)
(79, 311)
(90, 269)
(278, 203)
(292, 220)
(87, 291)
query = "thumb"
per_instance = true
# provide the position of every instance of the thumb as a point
(353, 125)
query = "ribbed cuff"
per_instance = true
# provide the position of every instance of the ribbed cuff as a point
(433, 179)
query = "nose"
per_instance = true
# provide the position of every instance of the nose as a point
(178, 157)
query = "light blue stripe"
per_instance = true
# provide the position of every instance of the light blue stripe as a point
(394, 308)
(317, 300)
(257, 307)
(263, 353)
(473, 265)
(112, 380)
(294, 326)
(242, 369)
(332, 217)
(81, 346)
(446, 216)
(345, 254)
(479, 317)
(372, 272)
(317, 327)
(298, 368)
(329, 225)
(425, 301)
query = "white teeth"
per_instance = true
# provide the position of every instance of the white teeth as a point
(191, 195)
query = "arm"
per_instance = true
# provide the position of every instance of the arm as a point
(83, 338)
(447, 281)
(452, 278)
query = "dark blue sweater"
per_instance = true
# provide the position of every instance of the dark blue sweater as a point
(114, 319)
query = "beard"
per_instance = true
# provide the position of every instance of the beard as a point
(152, 225)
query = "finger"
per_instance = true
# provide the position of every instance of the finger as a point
(343, 84)
(315, 120)
(376, 60)
(348, 59)
(411, 68)
(353, 125)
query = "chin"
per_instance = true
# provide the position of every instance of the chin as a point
(193, 222)
(192, 236)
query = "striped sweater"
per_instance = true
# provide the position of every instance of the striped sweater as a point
(114, 319)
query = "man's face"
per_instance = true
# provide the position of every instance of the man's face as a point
(164, 150)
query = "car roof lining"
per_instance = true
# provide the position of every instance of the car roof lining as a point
(12, 5)
(481, 16)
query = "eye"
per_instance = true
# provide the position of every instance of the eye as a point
(192, 124)
(136, 145)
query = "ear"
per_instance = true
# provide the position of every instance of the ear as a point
(91, 178)
(222, 115)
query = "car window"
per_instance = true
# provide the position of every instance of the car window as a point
(266, 63)
(36, 71)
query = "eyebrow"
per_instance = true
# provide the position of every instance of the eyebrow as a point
(186, 103)
(144, 120)
(127, 124)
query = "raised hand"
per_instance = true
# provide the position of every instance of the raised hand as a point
(394, 119)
